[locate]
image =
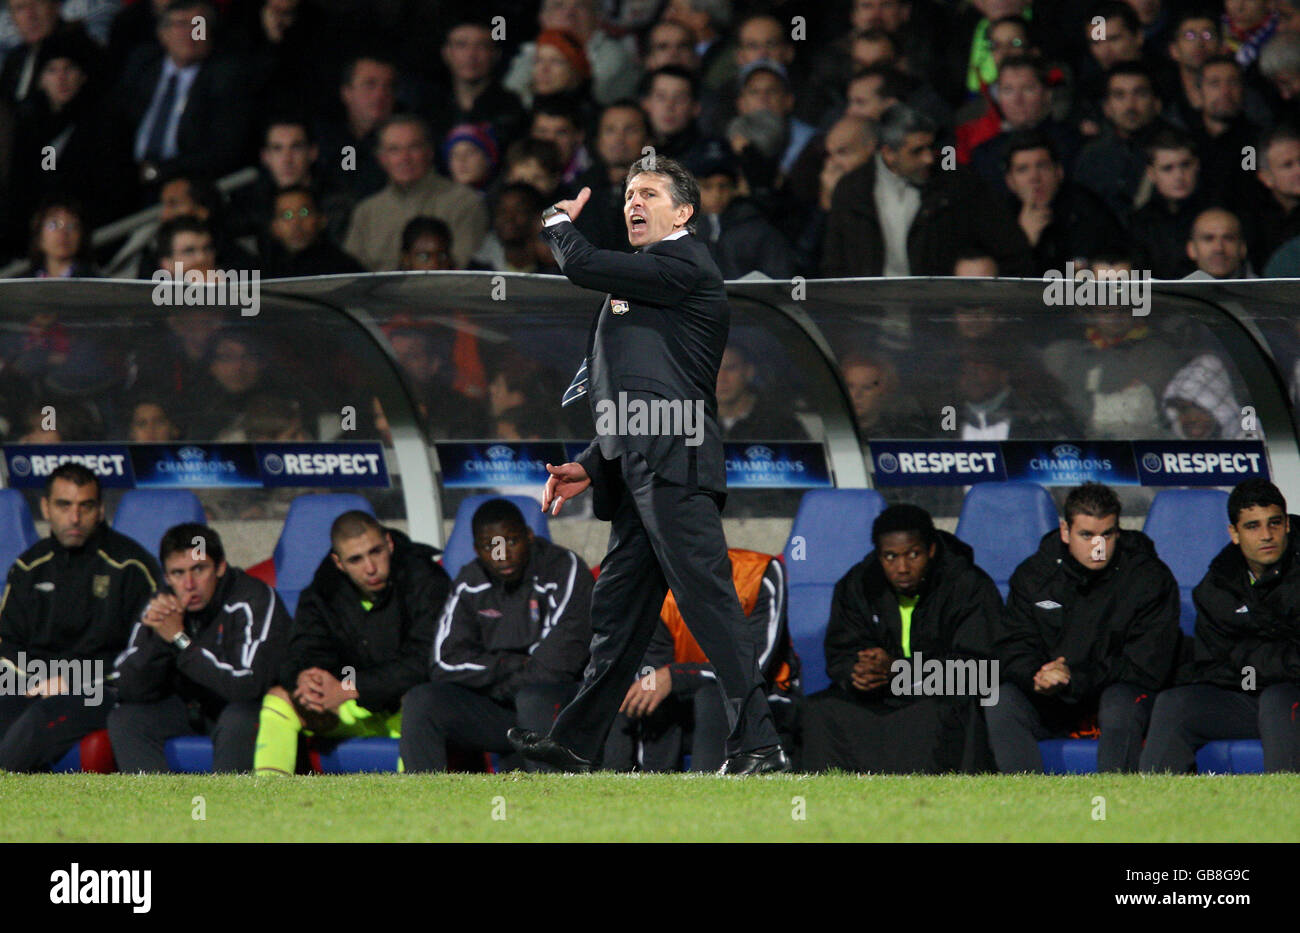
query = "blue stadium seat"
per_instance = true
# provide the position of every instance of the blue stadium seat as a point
(1004, 522)
(191, 754)
(70, 762)
(305, 540)
(145, 514)
(1239, 756)
(1189, 527)
(1069, 756)
(460, 543)
(831, 533)
(357, 756)
(17, 531)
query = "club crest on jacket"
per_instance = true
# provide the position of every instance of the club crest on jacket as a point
(618, 306)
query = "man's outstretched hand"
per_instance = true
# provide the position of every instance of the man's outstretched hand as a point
(566, 481)
(573, 206)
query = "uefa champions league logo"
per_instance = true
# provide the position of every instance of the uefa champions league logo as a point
(1151, 462)
(273, 464)
(500, 452)
(887, 463)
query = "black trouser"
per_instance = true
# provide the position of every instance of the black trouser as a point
(1018, 721)
(436, 713)
(665, 535)
(655, 742)
(883, 734)
(139, 733)
(1185, 718)
(35, 732)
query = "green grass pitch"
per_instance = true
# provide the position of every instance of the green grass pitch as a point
(648, 808)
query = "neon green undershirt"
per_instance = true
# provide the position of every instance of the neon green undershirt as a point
(367, 605)
(905, 606)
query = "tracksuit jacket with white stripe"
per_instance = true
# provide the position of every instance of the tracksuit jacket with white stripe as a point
(237, 644)
(495, 639)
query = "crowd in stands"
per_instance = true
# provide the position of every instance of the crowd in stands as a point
(384, 643)
(879, 137)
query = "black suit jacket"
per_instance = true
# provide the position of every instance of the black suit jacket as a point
(659, 337)
(214, 134)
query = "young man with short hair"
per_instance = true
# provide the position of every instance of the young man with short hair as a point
(361, 639)
(1244, 680)
(69, 599)
(1091, 628)
(917, 595)
(200, 658)
(510, 647)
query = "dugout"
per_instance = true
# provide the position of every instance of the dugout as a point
(456, 379)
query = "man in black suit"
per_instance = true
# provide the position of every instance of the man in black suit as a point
(654, 350)
(182, 106)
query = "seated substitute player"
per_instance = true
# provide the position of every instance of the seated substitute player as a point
(917, 593)
(680, 691)
(199, 659)
(510, 647)
(1244, 680)
(361, 638)
(1091, 630)
(70, 597)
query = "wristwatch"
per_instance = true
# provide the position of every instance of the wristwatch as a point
(552, 211)
(181, 641)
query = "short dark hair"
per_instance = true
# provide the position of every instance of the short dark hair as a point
(181, 538)
(903, 517)
(1253, 493)
(1116, 9)
(536, 200)
(420, 226)
(1283, 131)
(1026, 141)
(894, 84)
(496, 512)
(682, 186)
(1194, 13)
(1128, 70)
(168, 232)
(352, 524)
(672, 71)
(288, 120)
(1168, 138)
(564, 106)
(371, 55)
(74, 473)
(1216, 60)
(1033, 63)
(1096, 500)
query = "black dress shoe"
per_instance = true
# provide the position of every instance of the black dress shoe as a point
(537, 747)
(769, 760)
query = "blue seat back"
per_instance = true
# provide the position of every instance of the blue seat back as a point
(831, 533)
(17, 530)
(1003, 523)
(1189, 527)
(305, 540)
(191, 754)
(144, 515)
(460, 543)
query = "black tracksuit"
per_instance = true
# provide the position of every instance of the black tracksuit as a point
(1244, 679)
(503, 655)
(1117, 629)
(877, 731)
(62, 603)
(388, 645)
(216, 684)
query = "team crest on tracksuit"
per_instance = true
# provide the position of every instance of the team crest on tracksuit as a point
(618, 306)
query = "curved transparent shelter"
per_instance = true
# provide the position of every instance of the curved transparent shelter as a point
(457, 379)
(249, 404)
(487, 359)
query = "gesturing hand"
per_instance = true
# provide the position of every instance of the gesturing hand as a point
(573, 206)
(566, 481)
